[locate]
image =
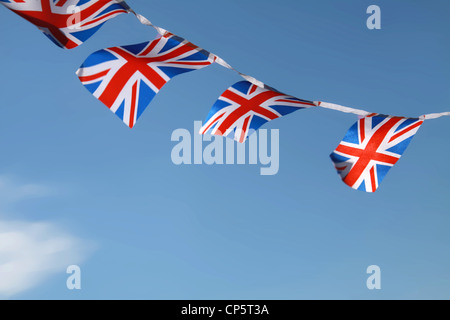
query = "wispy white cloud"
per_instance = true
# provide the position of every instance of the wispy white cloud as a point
(12, 190)
(30, 252)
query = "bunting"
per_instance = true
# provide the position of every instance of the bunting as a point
(127, 78)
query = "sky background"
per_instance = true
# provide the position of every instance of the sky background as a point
(141, 227)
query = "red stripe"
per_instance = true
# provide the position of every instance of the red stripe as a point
(385, 158)
(116, 12)
(133, 105)
(297, 102)
(362, 130)
(404, 131)
(252, 89)
(212, 123)
(372, 179)
(61, 3)
(149, 48)
(349, 150)
(206, 63)
(94, 76)
(244, 129)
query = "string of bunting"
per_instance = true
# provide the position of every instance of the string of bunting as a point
(127, 78)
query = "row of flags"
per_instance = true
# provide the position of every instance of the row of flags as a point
(127, 78)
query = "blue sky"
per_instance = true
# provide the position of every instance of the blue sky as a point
(141, 227)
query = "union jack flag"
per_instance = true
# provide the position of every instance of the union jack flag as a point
(68, 23)
(127, 78)
(245, 106)
(371, 148)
